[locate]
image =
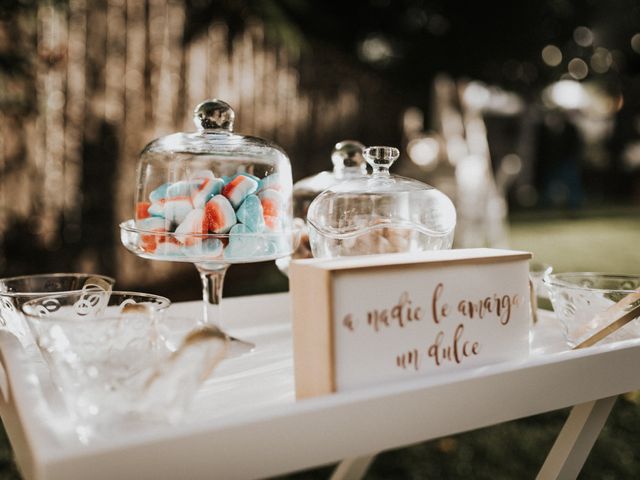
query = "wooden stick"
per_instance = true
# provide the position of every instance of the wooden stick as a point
(615, 318)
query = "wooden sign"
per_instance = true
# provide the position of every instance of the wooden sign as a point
(367, 320)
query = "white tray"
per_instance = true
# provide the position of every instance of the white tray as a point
(245, 422)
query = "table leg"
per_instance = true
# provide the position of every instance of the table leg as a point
(579, 433)
(352, 468)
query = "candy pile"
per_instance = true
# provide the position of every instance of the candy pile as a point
(248, 213)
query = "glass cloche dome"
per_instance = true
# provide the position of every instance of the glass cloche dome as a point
(348, 163)
(212, 190)
(380, 213)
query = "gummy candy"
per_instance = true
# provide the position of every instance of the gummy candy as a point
(142, 210)
(171, 249)
(242, 243)
(206, 190)
(272, 206)
(176, 209)
(159, 193)
(209, 247)
(239, 188)
(183, 188)
(157, 208)
(180, 215)
(194, 223)
(250, 213)
(149, 241)
(270, 182)
(220, 216)
(228, 178)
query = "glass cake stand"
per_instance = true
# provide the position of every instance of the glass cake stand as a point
(213, 198)
(212, 255)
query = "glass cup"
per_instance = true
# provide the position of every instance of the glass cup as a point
(117, 357)
(537, 272)
(16, 291)
(539, 294)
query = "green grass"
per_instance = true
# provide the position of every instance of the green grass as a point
(599, 245)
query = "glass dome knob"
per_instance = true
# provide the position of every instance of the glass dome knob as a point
(214, 115)
(381, 158)
(348, 154)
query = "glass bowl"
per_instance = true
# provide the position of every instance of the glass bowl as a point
(579, 299)
(116, 356)
(380, 213)
(16, 291)
(92, 303)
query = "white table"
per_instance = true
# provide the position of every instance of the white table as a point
(246, 423)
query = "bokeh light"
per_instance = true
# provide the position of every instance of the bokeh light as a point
(567, 94)
(583, 36)
(424, 152)
(476, 95)
(412, 121)
(601, 60)
(635, 43)
(471, 172)
(551, 55)
(578, 68)
(377, 49)
(511, 164)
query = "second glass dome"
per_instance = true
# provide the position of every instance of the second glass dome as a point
(348, 163)
(380, 213)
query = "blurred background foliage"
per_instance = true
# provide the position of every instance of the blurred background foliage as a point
(537, 101)
(526, 113)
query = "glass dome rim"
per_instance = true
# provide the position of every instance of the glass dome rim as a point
(357, 231)
(319, 204)
(235, 140)
(372, 181)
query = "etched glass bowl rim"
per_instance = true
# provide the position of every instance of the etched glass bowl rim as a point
(163, 305)
(35, 295)
(556, 280)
